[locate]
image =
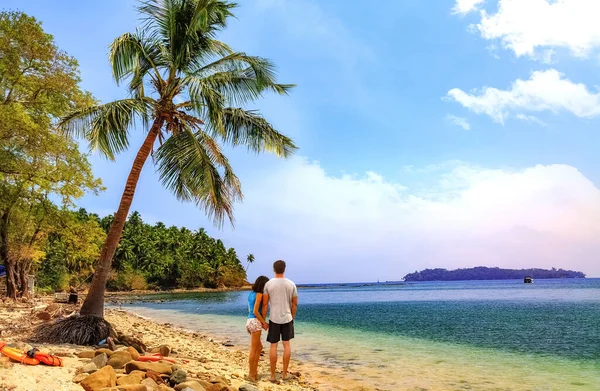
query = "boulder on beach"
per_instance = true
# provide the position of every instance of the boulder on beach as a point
(134, 377)
(86, 354)
(119, 359)
(178, 376)
(104, 350)
(160, 367)
(100, 360)
(134, 353)
(193, 384)
(248, 387)
(103, 378)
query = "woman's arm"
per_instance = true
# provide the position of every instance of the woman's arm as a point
(257, 313)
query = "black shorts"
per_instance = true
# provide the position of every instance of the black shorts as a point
(276, 330)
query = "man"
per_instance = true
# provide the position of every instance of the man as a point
(281, 295)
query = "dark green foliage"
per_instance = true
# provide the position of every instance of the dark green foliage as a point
(148, 257)
(489, 273)
(172, 257)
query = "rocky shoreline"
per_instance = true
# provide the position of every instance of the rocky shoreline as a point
(192, 361)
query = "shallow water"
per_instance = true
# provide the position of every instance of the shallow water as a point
(490, 335)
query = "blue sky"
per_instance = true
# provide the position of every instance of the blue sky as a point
(432, 134)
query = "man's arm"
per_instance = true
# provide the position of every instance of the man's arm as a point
(294, 306)
(265, 305)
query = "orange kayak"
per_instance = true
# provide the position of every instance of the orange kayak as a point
(17, 355)
(24, 358)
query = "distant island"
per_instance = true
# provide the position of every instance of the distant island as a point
(489, 273)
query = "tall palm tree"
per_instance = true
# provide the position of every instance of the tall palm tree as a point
(190, 91)
(250, 259)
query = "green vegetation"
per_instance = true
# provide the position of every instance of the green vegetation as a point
(189, 91)
(148, 256)
(489, 273)
(41, 172)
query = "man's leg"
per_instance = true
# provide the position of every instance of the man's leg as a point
(273, 337)
(287, 353)
(273, 358)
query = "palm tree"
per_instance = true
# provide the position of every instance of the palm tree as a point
(190, 91)
(250, 260)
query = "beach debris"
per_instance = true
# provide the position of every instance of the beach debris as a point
(45, 316)
(228, 343)
(178, 376)
(118, 359)
(247, 387)
(100, 360)
(136, 343)
(103, 378)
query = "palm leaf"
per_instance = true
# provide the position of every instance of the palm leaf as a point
(192, 166)
(249, 128)
(106, 126)
(134, 55)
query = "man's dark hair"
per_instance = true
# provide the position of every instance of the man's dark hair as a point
(259, 284)
(279, 267)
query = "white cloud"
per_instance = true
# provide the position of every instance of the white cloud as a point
(459, 121)
(528, 26)
(466, 6)
(543, 91)
(530, 118)
(366, 227)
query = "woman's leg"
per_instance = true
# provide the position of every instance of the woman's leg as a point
(254, 355)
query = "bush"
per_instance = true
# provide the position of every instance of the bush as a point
(128, 280)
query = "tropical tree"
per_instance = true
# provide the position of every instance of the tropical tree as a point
(38, 84)
(190, 92)
(250, 260)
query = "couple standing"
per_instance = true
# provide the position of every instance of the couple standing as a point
(281, 296)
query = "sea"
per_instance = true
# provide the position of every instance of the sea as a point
(465, 335)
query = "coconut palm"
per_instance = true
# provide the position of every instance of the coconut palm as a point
(189, 92)
(250, 259)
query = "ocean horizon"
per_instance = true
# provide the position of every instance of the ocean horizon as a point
(459, 335)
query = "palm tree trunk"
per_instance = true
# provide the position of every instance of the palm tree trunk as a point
(94, 302)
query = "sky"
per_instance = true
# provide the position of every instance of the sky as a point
(449, 133)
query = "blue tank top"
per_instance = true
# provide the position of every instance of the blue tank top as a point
(251, 301)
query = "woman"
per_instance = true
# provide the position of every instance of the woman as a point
(255, 325)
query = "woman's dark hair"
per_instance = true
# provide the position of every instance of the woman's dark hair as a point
(259, 284)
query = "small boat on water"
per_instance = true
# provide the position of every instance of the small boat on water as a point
(528, 280)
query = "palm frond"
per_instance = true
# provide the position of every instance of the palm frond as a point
(106, 126)
(192, 166)
(187, 28)
(135, 55)
(249, 128)
(264, 70)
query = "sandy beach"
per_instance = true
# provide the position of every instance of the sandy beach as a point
(200, 355)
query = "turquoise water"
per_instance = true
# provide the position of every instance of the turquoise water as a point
(496, 335)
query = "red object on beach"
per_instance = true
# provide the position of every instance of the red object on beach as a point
(49, 359)
(154, 358)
